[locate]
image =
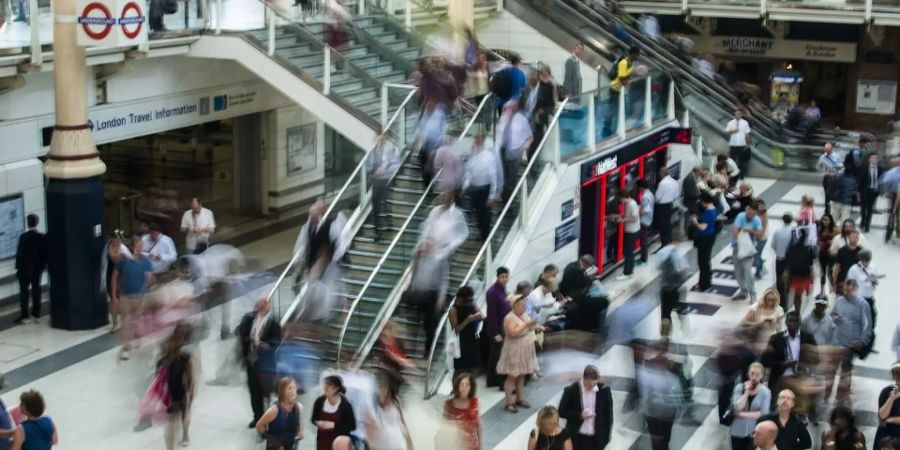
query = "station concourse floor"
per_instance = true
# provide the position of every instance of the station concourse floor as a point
(93, 397)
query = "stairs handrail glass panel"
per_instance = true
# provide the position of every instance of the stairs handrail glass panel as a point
(354, 195)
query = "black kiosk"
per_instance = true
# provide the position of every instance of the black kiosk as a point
(605, 175)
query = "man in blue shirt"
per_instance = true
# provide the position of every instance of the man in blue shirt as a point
(745, 222)
(516, 79)
(130, 280)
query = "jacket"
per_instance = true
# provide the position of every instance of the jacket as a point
(574, 280)
(347, 422)
(31, 254)
(270, 334)
(572, 80)
(570, 408)
(866, 178)
(776, 354)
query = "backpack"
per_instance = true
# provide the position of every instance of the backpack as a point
(170, 6)
(501, 82)
(675, 271)
(854, 160)
(614, 70)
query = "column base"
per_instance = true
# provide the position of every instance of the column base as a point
(75, 240)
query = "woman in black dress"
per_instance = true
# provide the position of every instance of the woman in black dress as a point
(549, 435)
(464, 318)
(889, 409)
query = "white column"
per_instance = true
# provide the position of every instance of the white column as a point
(648, 102)
(620, 126)
(592, 126)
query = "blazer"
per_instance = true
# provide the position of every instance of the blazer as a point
(776, 354)
(574, 281)
(570, 408)
(31, 254)
(270, 334)
(572, 80)
(866, 178)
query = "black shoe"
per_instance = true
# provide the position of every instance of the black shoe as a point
(252, 424)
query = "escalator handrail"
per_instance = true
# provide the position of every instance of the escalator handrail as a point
(381, 261)
(444, 320)
(380, 320)
(356, 170)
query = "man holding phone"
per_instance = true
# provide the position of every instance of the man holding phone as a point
(866, 276)
(853, 328)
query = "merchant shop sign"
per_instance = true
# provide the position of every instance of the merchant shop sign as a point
(776, 48)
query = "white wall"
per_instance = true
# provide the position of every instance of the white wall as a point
(25, 177)
(278, 122)
(508, 32)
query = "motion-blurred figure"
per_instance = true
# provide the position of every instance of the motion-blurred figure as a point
(320, 247)
(443, 232)
(382, 164)
(482, 181)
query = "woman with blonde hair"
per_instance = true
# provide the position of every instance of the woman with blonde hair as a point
(518, 357)
(548, 435)
(765, 318)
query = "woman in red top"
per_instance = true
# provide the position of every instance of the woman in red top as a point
(461, 411)
(827, 230)
(807, 211)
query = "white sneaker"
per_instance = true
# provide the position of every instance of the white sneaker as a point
(624, 277)
(35, 320)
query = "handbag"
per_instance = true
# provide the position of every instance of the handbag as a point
(745, 246)
(727, 417)
(157, 400)
(452, 340)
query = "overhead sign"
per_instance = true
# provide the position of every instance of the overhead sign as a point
(876, 97)
(119, 121)
(111, 23)
(776, 48)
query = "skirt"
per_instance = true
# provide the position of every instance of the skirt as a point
(802, 284)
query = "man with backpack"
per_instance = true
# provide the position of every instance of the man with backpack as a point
(507, 83)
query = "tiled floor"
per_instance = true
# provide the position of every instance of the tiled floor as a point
(94, 398)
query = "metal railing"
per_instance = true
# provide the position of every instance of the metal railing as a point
(358, 175)
(486, 251)
(383, 312)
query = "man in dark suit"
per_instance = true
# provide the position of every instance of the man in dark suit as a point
(789, 352)
(31, 260)
(258, 335)
(690, 193)
(868, 190)
(587, 407)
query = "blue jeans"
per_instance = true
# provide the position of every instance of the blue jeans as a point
(21, 7)
(758, 259)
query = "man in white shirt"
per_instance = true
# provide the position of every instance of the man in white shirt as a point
(649, 26)
(667, 192)
(866, 276)
(781, 243)
(830, 165)
(739, 141)
(159, 248)
(648, 201)
(631, 221)
(515, 137)
(198, 225)
(482, 182)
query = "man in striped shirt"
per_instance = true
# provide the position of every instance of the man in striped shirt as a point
(830, 165)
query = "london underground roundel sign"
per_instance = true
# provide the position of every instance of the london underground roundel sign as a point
(132, 20)
(96, 20)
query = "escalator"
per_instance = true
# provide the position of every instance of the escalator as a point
(710, 102)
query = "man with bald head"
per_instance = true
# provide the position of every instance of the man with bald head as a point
(342, 443)
(764, 435)
(791, 432)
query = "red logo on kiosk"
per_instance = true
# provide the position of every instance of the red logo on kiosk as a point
(96, 26)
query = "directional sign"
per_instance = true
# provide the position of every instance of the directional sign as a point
(111, 23)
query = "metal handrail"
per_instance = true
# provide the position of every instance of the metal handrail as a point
(313, 39)
(341, 192)
(379, 321)
(481, 252)
(381, 261)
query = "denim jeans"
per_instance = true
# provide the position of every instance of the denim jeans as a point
(758, 259)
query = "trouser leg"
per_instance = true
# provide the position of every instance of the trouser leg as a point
(24, 284)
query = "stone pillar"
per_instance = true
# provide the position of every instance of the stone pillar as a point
(74, 190)
(462, 13)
